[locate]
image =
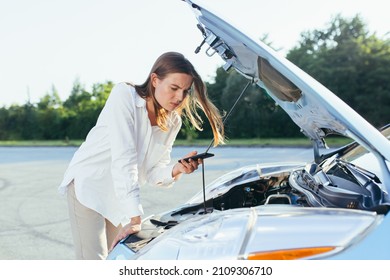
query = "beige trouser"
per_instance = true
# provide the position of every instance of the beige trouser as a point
(92, 233)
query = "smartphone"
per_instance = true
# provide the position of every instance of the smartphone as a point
(198, 156)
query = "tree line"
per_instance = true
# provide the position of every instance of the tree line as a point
(344, 56)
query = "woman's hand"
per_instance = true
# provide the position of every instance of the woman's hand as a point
(186, 167)
(132, 227)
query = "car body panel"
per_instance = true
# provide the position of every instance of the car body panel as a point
(276, 228)
(375, 246)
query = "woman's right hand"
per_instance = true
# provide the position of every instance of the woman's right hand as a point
(133, 227)
(186, 167)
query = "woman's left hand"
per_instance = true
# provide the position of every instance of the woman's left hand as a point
(133, 227)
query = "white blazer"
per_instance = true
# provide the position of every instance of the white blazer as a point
(121, 152)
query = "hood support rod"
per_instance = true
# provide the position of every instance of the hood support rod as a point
(231, 109)
(224, 121)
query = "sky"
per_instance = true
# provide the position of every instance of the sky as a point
(53, 43)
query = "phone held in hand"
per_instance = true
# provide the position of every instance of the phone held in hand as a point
(198, 156)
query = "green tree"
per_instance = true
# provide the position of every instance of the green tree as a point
(3, 123)
(82, 109)
(18, 122)
(49, 117)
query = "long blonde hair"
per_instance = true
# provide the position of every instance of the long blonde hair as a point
(173, 62)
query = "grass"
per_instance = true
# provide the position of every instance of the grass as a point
(264, 142)
(260, 142)
(40, 143)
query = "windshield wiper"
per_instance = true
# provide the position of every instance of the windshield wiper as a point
(357, 170)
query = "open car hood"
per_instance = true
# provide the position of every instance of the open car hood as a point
(313, 107)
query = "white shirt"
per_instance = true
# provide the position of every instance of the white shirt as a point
(121, 152)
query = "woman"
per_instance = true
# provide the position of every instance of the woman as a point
(130, 145)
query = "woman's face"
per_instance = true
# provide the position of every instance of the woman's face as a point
(172, 90)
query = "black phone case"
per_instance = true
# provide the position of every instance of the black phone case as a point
(198, 156)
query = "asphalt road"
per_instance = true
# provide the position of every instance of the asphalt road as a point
(33, 216)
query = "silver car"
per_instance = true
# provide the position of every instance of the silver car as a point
(334, 207)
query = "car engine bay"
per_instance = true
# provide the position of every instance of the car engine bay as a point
(337, 185)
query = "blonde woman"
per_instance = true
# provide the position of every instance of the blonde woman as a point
(129, 146)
